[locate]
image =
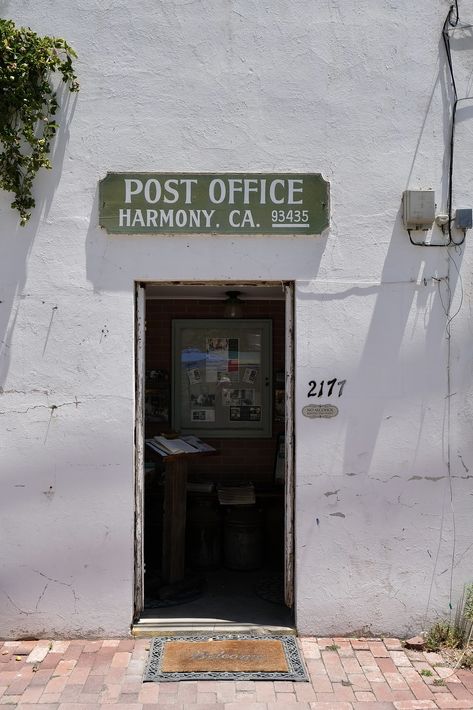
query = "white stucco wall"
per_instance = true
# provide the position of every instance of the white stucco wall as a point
(354, 90)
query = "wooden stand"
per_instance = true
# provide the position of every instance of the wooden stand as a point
(174, 523)
(174, 514)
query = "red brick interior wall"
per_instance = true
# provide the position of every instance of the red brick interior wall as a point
(239, 459)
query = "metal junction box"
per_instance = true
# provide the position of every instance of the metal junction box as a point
(464, 219)
(418, 209)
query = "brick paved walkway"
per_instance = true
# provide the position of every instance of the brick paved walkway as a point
(346, 674)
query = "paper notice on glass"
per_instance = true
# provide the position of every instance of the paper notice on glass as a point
(235, 398)
(193, 373)
(247, 397)
(202, 415)
(251, 373)
(245, 414)
(223, 378)
(217, 345)
(230, 397)
(202, 400)
(216, 358)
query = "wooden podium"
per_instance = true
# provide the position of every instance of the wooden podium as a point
(174, 517)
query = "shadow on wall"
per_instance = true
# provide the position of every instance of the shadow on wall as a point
(381, 359)
(397, 304)
(433, 265)
(193, 257)
(17, 241)
(407, 327)
(407, 552)
(431, 278)
(107, 257)
(58, 574)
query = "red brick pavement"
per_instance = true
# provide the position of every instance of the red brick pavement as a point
(345, 674)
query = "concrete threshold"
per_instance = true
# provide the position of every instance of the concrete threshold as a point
(149, 627)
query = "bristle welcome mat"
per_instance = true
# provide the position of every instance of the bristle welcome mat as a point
(225, 657)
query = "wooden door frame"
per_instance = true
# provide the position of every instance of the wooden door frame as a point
(289, 487)
(140, 332)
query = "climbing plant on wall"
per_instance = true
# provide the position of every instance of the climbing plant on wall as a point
(28, 104)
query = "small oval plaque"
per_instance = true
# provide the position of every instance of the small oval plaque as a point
(320, 411)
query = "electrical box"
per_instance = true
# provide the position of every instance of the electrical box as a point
(418, 209)
(464, 219)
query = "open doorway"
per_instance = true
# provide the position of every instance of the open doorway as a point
(214, 530)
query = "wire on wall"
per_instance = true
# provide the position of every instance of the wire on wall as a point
(452, 21)
(425, 244)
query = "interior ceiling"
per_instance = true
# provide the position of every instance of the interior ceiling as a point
(216, 292)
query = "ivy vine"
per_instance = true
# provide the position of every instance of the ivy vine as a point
(28, 104)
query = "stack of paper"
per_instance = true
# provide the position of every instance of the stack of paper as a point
(153, 445)
(185, 445)
(198, 443)
(237, 495)
(174, 446)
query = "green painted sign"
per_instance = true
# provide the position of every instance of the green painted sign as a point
(214, 203)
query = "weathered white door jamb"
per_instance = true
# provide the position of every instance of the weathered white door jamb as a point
(289, 446)
(140, 325)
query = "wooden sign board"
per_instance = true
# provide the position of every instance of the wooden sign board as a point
(214, 203)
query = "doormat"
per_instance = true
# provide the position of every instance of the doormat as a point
(225, 657)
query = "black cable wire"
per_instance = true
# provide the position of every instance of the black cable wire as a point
(446, 40)
(452, 20)
(424, 244)
(449, 22)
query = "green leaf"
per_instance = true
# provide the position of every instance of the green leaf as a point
(27, 103)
